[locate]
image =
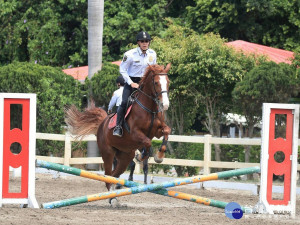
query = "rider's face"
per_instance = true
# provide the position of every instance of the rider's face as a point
(144, 45)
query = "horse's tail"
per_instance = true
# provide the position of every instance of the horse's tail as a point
(84, 123)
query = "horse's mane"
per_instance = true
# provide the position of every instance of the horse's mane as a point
(152, 68)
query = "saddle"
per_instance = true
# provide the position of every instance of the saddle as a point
(113, 120)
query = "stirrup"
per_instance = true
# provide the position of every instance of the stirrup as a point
(118, 131)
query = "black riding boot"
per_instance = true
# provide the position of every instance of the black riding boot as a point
(118, 131)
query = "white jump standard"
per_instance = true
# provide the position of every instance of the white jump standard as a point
(287, 146)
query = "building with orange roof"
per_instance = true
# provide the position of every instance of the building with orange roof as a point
(80, 73)
(273, 54)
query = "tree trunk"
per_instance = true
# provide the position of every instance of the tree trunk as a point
(95, 33)
(218, 150)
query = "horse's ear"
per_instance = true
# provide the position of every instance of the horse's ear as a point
(150, 68)
(168, 67)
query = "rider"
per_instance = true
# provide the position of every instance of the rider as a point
(132, 69)
(116, 99)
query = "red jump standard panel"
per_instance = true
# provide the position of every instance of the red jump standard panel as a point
(21, 137)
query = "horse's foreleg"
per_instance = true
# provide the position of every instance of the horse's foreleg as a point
(161, 152)
(145, 153)
(146, 142)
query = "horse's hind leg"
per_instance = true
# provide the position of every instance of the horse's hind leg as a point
(123, 160)
(132, 167)
(145, 169)
(108, 159)
(110, 162)
(114, 163)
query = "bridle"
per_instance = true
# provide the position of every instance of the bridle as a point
(159, 74)
(155, 98)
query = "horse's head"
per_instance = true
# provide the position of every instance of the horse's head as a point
(156, 77)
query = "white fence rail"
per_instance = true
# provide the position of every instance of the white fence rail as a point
(206, 164)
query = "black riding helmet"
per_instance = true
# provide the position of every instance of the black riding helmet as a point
(143, 36)
(120, 80)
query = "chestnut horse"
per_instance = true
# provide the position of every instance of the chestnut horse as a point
(145, 121)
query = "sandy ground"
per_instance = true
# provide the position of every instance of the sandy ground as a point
(143, 208)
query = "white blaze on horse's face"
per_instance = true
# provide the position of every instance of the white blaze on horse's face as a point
(164, 88)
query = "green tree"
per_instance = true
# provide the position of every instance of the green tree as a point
(170, 49)
(203, 74)
(55, 32)
(46, 32)
(124, 19)
(269, 22)
(268, 82)
(54, 90)
(103, 84)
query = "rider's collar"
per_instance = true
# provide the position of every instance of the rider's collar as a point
(141, 52)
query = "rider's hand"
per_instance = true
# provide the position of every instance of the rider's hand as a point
(134, 85)
(109, 111)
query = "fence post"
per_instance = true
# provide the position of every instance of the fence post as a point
(68, 149)
(207, 153)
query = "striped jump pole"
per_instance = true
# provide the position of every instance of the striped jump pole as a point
(151, 188)
(200, 200)
(127, 183)
(84, 173)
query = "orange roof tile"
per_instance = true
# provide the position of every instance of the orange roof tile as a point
(80, 73)
(273, 54)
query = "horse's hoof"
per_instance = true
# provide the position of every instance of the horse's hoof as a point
(114, 202)
(118, 186)
(158, 160)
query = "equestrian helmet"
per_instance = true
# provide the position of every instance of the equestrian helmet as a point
(143, 36)
(120, 80)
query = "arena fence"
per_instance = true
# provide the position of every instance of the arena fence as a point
(206, 164)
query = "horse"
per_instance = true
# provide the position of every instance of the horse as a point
(145, 121)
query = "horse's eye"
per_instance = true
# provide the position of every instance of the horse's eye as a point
(156, 83)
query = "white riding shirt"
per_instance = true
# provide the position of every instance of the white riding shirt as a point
(135, 62)
(116, 99)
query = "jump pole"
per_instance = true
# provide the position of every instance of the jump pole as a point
(127, 183)
(150, 187)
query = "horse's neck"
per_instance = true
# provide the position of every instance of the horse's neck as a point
(147, 101)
